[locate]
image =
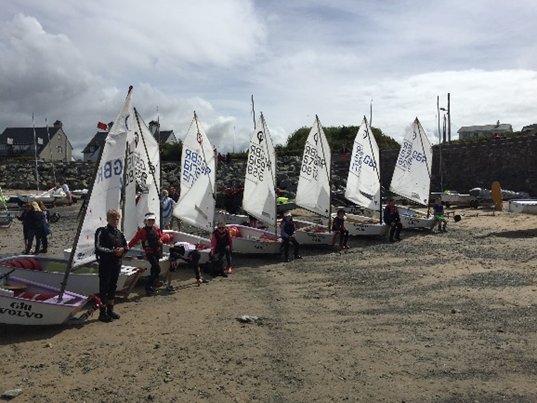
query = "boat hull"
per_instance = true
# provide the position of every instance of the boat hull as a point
(254, 240)
(523, 206)
(411, 218)
(364, 226)
(18, 310)
(82, 280)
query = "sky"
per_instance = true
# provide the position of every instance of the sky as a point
(74, 61)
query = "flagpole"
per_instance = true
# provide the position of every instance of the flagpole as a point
(35, 154)
(50, 148)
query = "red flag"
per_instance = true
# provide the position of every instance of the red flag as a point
(102, 126)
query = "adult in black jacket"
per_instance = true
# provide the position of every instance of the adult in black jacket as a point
(391, 218)
(110, 246)
(36, 227)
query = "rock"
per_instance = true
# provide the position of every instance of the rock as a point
(10, 394)
(248, 319)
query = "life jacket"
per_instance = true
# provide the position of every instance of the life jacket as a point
(152, 239)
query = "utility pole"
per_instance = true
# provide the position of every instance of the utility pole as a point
(449, 117)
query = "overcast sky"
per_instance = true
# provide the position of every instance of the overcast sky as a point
(74, 61)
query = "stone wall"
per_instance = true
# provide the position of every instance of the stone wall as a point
(512, 162)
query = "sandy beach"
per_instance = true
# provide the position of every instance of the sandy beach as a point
(439, 317)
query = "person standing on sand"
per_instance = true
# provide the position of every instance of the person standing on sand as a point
(167, 206)
(288, 231)
(25, 218)
(46, 228)
(152, 239)
(36, 228)
(110, 246)
(65, 188)
(392, 218)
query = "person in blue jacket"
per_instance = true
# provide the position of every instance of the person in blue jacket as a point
(287, 231)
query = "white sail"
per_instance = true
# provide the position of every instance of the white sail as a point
(147, 172)
(313, 191)
(363, 180)
(259, 198)
(107, 188)
(412, 173)
(198, 175)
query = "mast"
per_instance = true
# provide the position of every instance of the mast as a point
(159, 166)
(35, 154)
(50, 148)
(328, 174)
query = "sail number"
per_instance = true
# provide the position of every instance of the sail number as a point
(257, 162)
(359, 158)
(194, 165)
(312, 161)
(407, 156)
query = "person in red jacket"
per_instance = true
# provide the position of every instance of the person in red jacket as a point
(152, 239)
(222, 244)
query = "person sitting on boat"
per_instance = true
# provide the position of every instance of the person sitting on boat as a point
(36, 228)
(187, 252)
(338, 226)
(110, 246)
(167, 206)
(221, 244)
(439, 214)
(392, 218)
(288, 231)
(152, 239)
(252, 221)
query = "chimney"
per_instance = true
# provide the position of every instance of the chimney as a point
(498, 123)
(58, 123)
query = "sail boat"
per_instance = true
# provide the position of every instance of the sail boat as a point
(313, 191)
(108, 187)
(259, 198)
(363, 183)
(412, 176)
(196, 200)
(46, 301)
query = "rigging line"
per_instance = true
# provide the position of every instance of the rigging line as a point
(272, 171)
(151, 166)
(50, 148)
(205, 157)
(369, 134)
(422, 133)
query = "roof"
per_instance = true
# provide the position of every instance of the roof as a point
(25, 135)
(97, 140)
(165, 135)
(504, 127)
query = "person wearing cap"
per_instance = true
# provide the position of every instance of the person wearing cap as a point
(288, 231)
(110, 246)
(152, 239)
(167, 205)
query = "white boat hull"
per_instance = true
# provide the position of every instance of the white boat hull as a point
(364, 226)
(411, 218)
(82, 280)
(523, 206)
(18, 310)
(309, 233)
(255, 241)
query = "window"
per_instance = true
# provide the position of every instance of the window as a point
(59, 149)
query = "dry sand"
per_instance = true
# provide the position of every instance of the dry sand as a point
(436, 318)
